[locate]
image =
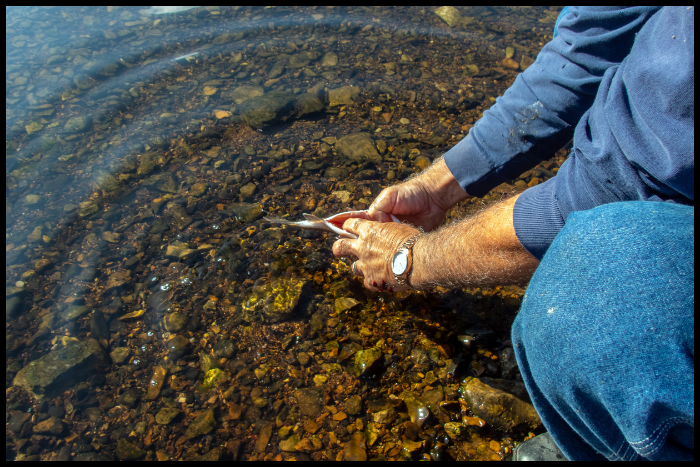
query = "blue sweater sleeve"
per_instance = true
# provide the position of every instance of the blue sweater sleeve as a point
(623, 89)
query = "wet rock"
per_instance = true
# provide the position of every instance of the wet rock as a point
(289, 444)
(178, 345)
(450, 15)
(106, 181)
(411, 449)
(310, 401)
(243, 93)
(119, 355)
(510, 63)
(303, 358)
(266, 109)
(247, 212)
(345, 303)
(275, 301)
(77, 124)
(93, 414)
(248, 190)
(329, 59)
(180, 216)
(385, 416)
(418, 411)
(156, 383)
(175, 322)
(355, 449)
(56, 371)
(17, 420)
(335, 173)
(128, 452)
(264, 436)
(358, 147)
(353, 405)
(344, 95)
(201, 425)
(302, 59)
(224, 349)
(367, 361)
(166, 415)
(177, 251)
(502, 404)
(118, 279)
(51, 426)
(32, 199)
(277, 69)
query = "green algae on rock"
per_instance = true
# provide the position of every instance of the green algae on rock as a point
(275, 301)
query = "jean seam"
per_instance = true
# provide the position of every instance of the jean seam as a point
(662, 429)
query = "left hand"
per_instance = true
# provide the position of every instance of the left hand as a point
(374, 249)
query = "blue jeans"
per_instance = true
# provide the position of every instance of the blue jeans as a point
(605, 335)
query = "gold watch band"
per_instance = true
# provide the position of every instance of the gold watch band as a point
(408, 246)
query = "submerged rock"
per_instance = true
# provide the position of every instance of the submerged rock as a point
(275, 301)
(358, 147)
(367, 361)
(57, 371)
(500, 403)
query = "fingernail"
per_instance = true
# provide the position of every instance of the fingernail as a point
(374, 284)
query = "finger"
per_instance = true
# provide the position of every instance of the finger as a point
(358, 268)
(385, 201)
(345, 247)
(380, 216)
(369, 286)
(354, 225)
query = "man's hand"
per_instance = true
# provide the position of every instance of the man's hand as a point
(421, 201)
(374, 249)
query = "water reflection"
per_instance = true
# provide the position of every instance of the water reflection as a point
(144, 146)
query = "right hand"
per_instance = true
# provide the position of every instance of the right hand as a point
(421, 201)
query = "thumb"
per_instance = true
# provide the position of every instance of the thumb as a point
(384, 203)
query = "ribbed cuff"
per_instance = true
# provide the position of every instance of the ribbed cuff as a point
(537, 219)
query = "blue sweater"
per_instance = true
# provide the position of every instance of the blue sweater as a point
(621, 82)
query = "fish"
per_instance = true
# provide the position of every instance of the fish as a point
(329, 224)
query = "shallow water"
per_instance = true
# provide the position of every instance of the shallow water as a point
(143, 148)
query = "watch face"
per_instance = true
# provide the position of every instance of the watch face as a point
(400, 262)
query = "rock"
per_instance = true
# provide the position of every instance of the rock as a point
(302, 59)
(224, 349)
(310, 401)
(243, 93)
(422, 162)
(180, 217)
(345, 303)
(177, 345)
(56, 371)
(342, 96)
(277, 69)
(119, 278)
(355, 449)
(418, 411)
(500, 403)
(106, 181)
(526, 61)
(289, 444)
(404, 121)
(510, 63)
(450, 15)
(264, 436)
(305, 445)
(342, 195)
(353, 405)
(166, 415)
(209, 90)
(358, 147)
(367, 361)
(119, 354)
(303, 358)
(156, 383)
(175, 322)
(248, 190)
(201, 425)
(336, 173)
(275, 301)
(329, 59)
(17, 420)
(51, 426)
(94, 414)
(77, 124)
(128, 452)
(267, 109)
(246, 212)
(411, 449)
(385, 416)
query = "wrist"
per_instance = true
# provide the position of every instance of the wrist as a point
(438, 181)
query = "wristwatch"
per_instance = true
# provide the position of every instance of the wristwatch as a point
(402, 261)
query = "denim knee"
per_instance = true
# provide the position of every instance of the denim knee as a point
(605, 335)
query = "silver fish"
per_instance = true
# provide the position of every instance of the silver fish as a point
(329, 224)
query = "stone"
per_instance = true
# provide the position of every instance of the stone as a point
(56, 371)
(246, 212)
(355, 449)
(118, 278)
(224, 349)
(359, 148)
(175, 322)
(302, 59)
(502, 404)
(51, 426)
(269, 108)
(450, 15)
(329, 59)
(264, 436)
(510, 63)
(310, 401)
(106, 181)
(201, 425)
(166, 415)
(289, 444)
(367, 361)
(305, 445)
(156, 383)
(418, 411)
(77, 124)
(275, 301)
(335, 173)
(128, 452)
(119, 354)
(94, 414)
(345, 303)
(342, 96)
(209, 90)
(422, 162)
(248, 190)
(243, 93)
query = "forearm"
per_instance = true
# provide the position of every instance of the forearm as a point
(481, 251)
(443, 185)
